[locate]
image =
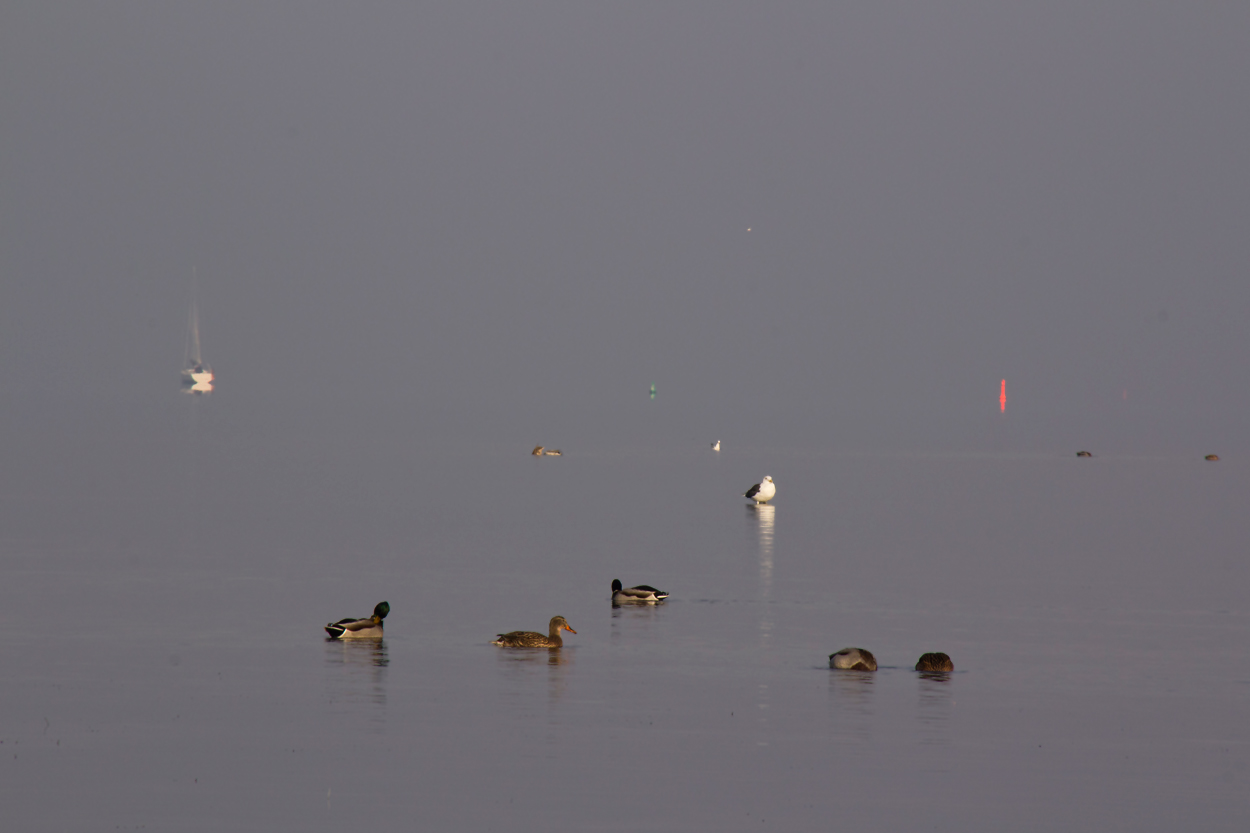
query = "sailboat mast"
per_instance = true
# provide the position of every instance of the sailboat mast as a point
(193, 336)
(191, 349)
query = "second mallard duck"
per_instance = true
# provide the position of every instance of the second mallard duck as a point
(370, 628)
(641, 594)
(532, 639)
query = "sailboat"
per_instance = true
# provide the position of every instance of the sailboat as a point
(197, 377)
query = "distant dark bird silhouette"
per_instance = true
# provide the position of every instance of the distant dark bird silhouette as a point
(1084, 454)
(1212, 457)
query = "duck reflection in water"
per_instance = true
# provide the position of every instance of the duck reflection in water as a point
(852, 698)
(636, 612)
(362, 652)
(636, 624)
(935, 701)
(531, 659)
(362, 680)
(521, 673)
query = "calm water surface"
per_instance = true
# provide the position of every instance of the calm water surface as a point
(166, 667)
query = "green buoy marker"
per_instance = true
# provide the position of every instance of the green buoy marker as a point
(653, 391)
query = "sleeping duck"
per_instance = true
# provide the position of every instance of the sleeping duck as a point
(641, 594)
(853, 659)
(532, 639)
(360, 628)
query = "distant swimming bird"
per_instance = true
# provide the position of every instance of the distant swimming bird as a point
(853, 659)
(360, 628)
(531, 639)
(1084, 454)
(716, 446)
(1212, 457)
(641, 594)
(935, 662)
(763, 491)
(541, 451)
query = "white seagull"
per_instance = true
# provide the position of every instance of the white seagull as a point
(762, 492)
(716, 446)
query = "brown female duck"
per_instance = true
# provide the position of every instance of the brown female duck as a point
(531, 639)
(935, 662)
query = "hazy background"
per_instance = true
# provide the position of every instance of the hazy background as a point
(502, 222)
(429, 236)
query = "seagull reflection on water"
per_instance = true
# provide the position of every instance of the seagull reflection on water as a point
(762, 517)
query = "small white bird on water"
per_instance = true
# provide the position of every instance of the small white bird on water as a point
(763, 491)
(716, 446)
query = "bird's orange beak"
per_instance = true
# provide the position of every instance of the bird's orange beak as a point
(570, 630)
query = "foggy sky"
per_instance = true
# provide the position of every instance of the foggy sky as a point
(508, 220)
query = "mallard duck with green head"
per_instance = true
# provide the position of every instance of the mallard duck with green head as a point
(640, 594)
(532, 639)
(370, 628)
